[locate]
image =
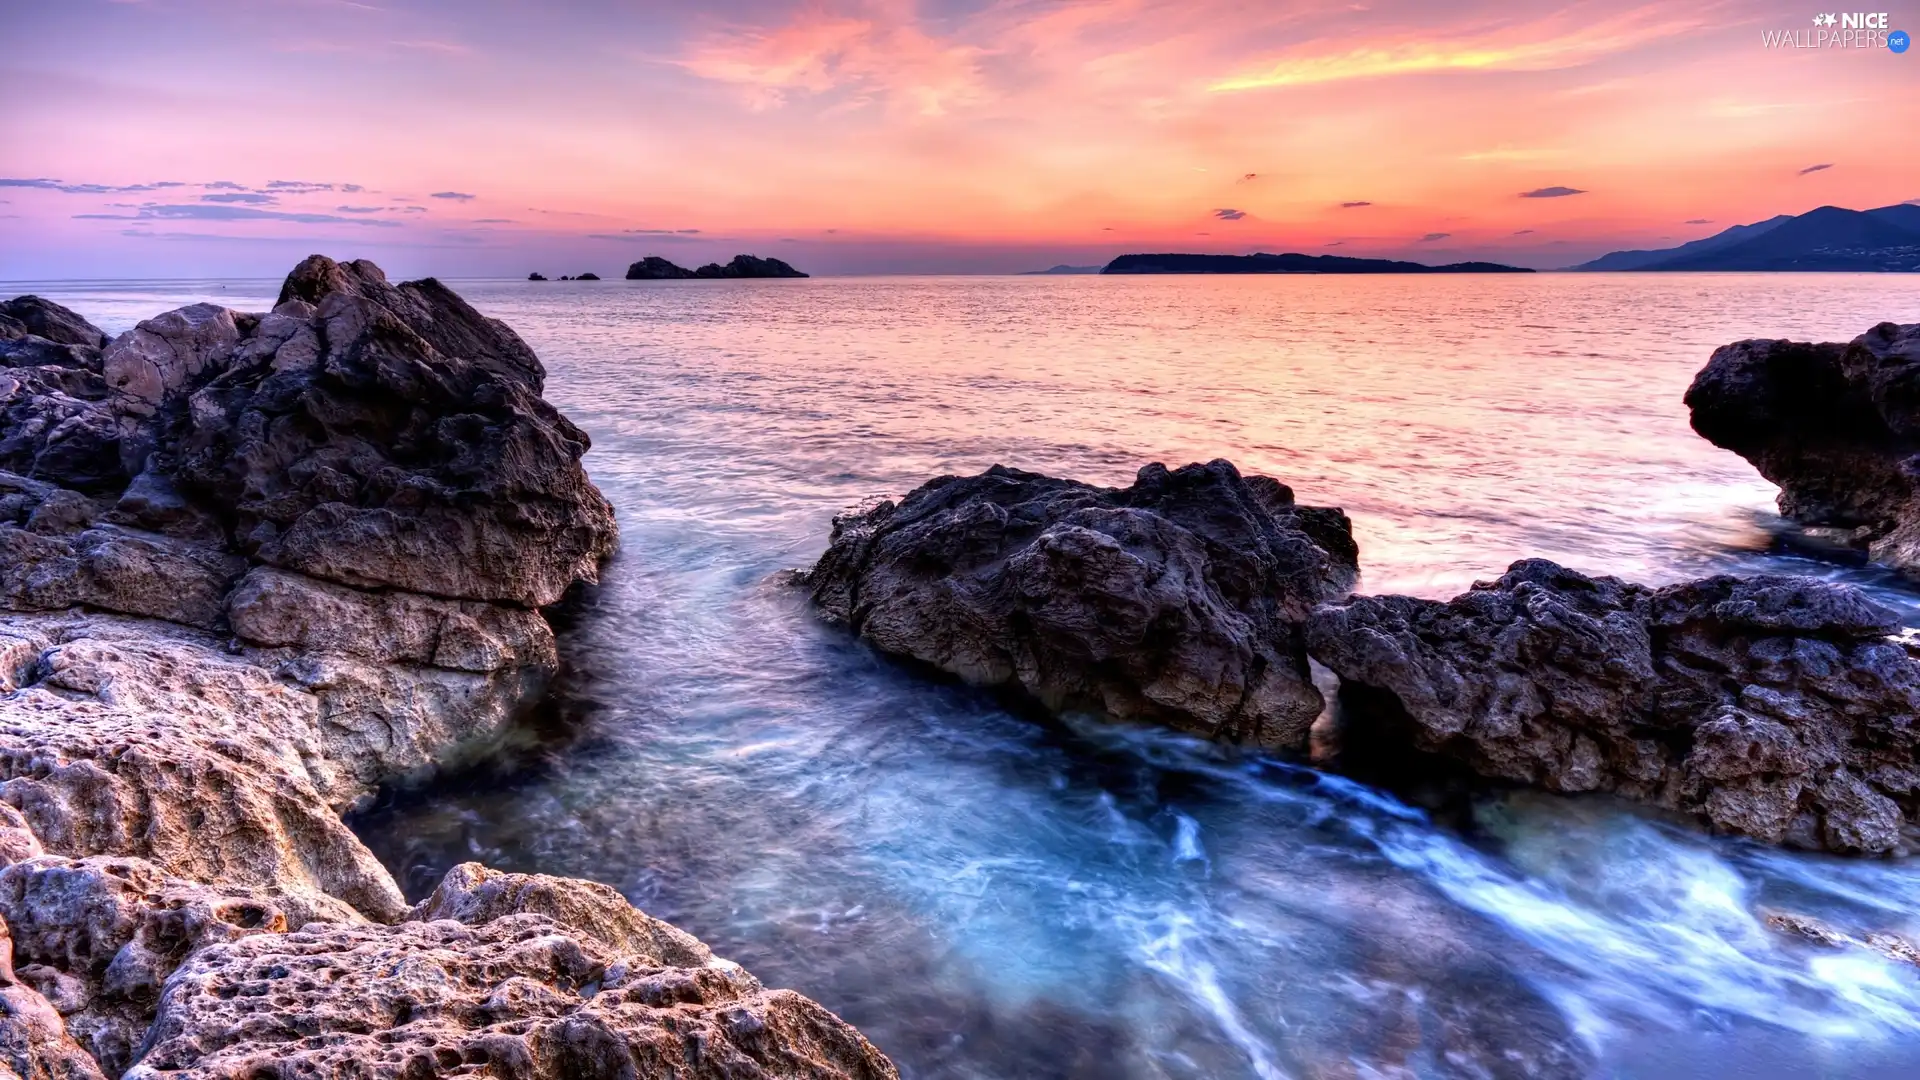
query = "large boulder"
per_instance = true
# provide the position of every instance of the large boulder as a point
(383, 436)
(1836, 426)
(1771, 707)
(33, 316)
(1178, 600)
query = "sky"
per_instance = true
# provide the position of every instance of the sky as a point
(463, 138)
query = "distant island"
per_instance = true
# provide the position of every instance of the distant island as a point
(1831, 238)
(655, 268)
(1063, 268)
(1292, 263)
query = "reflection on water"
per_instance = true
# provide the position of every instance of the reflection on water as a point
(990, 896)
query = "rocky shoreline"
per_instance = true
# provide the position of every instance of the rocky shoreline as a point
(1775, 708)
(252, 567)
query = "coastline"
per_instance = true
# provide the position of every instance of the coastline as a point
(243, 591)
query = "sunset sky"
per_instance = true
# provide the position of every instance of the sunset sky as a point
(478, 137)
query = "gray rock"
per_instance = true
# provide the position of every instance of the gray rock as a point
(1837, 427)
(1775, 708)
(31, 315)
(170, 351)
(112, 570)
(1178, 600)
(414, 453)
(277, 609)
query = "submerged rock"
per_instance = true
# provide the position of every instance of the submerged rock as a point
(1179, 600)
(251, 567)
(1771, 707)
(1837, 427)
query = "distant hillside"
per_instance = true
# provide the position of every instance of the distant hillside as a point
(1063, 268)
(1829, 238)
(1291, 263)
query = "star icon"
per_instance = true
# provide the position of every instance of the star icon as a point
(1819, 20)
(1830, 20)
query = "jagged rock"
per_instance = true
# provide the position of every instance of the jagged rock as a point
(170, 351)
(110, 569)
(412, 450)
(748, 266)
(536, 276)
(1837, 427)
(24, 315)
(57, 426)
(588, 276)
(1776, 708)
(1178, 600)
(278, 609)
(655, 268)
(508, 992)
(34, 1044)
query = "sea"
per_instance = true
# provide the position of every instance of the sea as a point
(988, 894)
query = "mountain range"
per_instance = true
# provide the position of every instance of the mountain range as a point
(1830, 238)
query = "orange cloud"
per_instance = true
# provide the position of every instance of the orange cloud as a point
(1537, 46)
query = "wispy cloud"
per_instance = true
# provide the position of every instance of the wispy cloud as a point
(359, 209)
(206, 212)
(1555, 192)
(872, 54)
(300, 187)
(1698, 221)
(1229, 215)
(1355, 205)
(1816, 168)
(457, 196)
(492, 221)
(1432, 236)
(1522, 232)
(1542, 45)
(44, 184)
(239, 197)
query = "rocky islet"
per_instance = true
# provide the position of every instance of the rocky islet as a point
(1775, 708)
(251, 567)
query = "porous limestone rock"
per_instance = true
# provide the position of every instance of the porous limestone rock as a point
(1773, 707)
(1178, 600)
(1836, 426)
(34, 1044)
(100, 936)
(541, 979)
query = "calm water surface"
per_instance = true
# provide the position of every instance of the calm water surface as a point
(991, 897)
